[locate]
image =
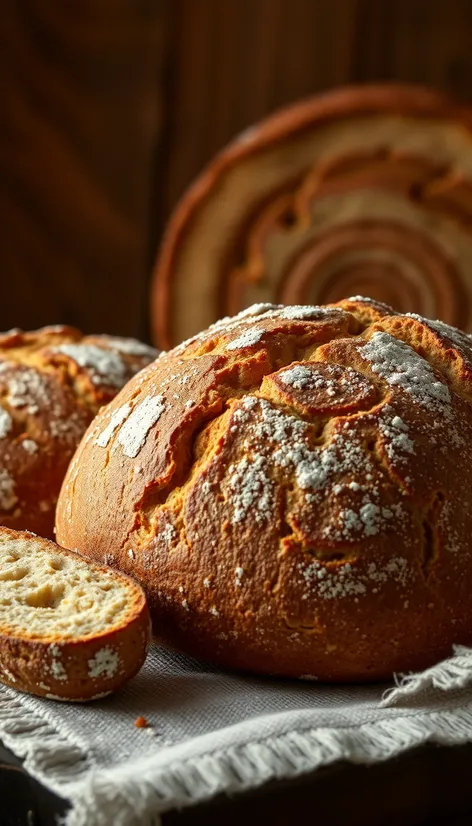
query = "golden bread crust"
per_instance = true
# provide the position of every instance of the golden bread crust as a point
(292, 489)
(52, 383)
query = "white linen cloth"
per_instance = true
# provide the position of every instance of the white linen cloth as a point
(213, 732)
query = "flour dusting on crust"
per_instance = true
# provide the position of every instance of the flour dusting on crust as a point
(462, 341)
(118, 417)
(401, 366)
(132, 434)
(6, 423)
(246, 339)
(30, 446)
(27, 389)
(130, 347)
(8, 497)
(252, 490)
(106, 366)
(104, 664)
(344, 580)
(276, 439)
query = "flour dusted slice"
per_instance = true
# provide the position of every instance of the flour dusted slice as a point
(69, 629)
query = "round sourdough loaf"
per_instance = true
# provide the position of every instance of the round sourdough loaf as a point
(292, 488)
(52, 383)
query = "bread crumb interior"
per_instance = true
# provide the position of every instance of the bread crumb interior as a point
(45, 594)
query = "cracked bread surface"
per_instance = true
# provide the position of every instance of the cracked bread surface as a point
(52, 383)
(292, 489)
(69, 629)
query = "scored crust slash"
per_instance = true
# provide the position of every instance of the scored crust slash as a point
(292, 489)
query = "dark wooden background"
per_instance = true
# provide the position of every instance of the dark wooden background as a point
(109, 108)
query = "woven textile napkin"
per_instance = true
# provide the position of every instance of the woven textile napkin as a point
(214, 732)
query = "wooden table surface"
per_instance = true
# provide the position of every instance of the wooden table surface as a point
(111, 107)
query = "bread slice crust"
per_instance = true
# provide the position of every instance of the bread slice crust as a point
(69, 629)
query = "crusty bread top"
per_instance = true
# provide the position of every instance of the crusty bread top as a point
(52, 382)
(292, 489)
(253, 382)
(94, 366)
(50, 594)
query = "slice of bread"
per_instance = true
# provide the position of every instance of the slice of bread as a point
(69, 629)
